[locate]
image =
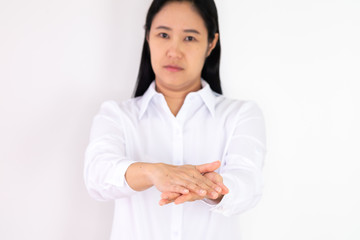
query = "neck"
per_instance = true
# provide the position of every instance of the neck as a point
(176, 97)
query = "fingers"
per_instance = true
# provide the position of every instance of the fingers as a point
(182, 199)
(212, 179)
(180, 179)
(208, 167)
(225, 190)
(179, 199)
(217, 179)
(194, 181)
(190, 178)
(187, 178)
(170, 195)
(197, 187)
(178, 189)
(187, 198)
(163, 202)
(211, 189)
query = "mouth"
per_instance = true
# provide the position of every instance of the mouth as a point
(173, 68)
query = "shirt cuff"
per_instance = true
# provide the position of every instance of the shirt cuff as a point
(228, 199)
(210, 202)
(117, 175)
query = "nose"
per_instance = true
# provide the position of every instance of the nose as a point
(174, 50)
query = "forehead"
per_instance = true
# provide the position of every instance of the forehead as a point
(179, 15)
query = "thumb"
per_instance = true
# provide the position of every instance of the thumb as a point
(208, 167)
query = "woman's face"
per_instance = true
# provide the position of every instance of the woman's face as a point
(178, 41)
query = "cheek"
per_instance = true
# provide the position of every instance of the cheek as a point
(154, 55)
(198, 57)
(200, 51)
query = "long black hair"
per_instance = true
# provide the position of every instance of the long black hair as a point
(211, 70)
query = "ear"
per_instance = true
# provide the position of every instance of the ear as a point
(212, 45)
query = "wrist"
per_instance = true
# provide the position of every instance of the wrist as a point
(138, 176)
(149, 171)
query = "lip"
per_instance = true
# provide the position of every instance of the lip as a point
(173, 68)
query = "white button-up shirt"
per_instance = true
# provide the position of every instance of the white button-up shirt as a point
(208, 127)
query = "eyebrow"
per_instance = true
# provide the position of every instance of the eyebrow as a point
(185, 30)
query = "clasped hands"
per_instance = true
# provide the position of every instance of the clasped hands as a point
(184, 183)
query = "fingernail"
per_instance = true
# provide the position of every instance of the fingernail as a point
(202, 192)
(218, 189)
(214, 194)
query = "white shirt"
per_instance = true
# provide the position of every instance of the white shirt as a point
(208, 127)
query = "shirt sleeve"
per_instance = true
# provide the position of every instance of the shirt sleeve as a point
(105, 157)
(242, 165)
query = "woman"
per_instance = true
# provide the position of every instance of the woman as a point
(179, 140)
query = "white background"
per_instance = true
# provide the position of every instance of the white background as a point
(300, 60)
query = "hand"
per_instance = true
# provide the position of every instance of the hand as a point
(168, 197)
(185, 179)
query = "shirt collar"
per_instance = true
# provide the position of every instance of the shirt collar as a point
(206, 94)
(146, 98)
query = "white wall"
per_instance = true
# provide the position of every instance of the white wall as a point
(298, 59)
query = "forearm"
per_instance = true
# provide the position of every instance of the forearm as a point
(171, 178)
(104, 174)
(138, 175)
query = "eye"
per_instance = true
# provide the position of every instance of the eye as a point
(190, 39)
(163, 35)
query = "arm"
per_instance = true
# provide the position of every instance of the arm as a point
(243, 162)
(109, 174)
(105, 158)
(241, 171)
(177, 198)
(176, 179)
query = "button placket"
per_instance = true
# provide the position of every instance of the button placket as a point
(177, 144)
(177, 210)
(176, 221)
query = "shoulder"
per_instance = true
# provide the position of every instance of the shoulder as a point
(242, 116)
(119, 109)
(235, 108)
